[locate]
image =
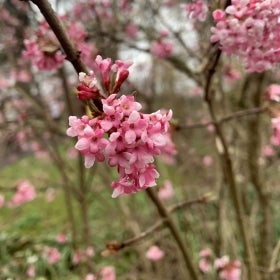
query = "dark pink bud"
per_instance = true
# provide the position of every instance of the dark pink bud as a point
(120, 79)
(86, 93)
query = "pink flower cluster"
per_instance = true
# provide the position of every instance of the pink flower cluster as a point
(125, 137)
(25, 193)
(44, 49)
(52, 255)
(161, 48)
(227, 270)
(118, 132)
(204, 262)
(250, 30)
(197, 10)
(108, 273)
(82, 255)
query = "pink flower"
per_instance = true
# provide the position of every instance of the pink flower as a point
(205, 253)
(204, 265)
(25, 193)
(89, 252)
(2, 200)
(198, 10)
(231, 271)
(219, 15)
(207, 161)
(108, 273)
(231, 74)
(268, 151)
(204, 262)
(31, 271)
(161, 49)
(154, 253)
(90, 277)
(131, 30)
(52, 255)
(78, 257)
(273, 92)
(61, 238)
(166, 191)
(221, 262)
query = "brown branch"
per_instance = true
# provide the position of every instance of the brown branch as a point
(116, 246)
(234, 116)
(71, 53)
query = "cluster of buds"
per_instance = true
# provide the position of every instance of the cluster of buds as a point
(226, 269)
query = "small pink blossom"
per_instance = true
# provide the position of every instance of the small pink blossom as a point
(218, 15)
(211, 128)
(205, 253)
(166, 191)
(273, 92)
(207, 161)
(131, 30)
(2, 200)
(197, 10)
(25, 193)
(154, 253)
(204, 262)
(78, 257)
(52, 255)
(108, 273)
(232, 271)
(31, 271)
(231, 74)
(89, 252)
(268, 151)
(204, 265)
(61, 238)
(221, 262)
(90, 277)
(162, 49)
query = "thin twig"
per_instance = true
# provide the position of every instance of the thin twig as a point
(233, 116)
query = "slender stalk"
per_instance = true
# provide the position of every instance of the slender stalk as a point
(83, 202)
(175, 233)
(66, 90)
(254, 145)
